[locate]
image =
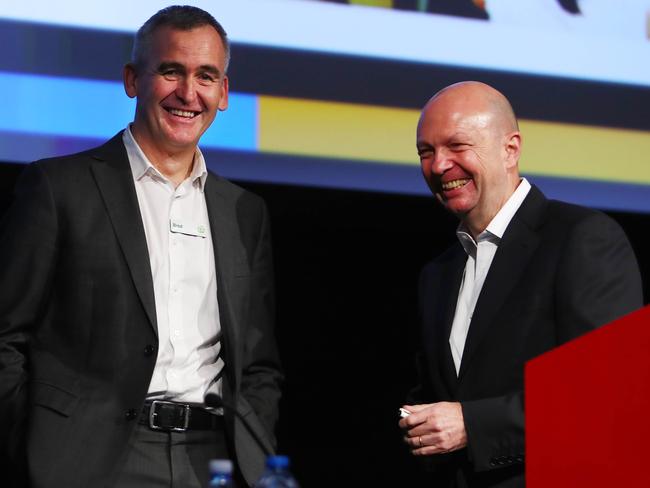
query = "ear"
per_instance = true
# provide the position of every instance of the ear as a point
(223, 101)
(129, 77)
(513, 149)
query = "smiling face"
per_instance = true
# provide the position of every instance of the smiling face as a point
(469, 149)
(179, 88)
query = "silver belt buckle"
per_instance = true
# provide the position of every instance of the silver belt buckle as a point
(153, 413)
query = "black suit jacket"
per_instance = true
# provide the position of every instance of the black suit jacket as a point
(560, 271)
(77, 317)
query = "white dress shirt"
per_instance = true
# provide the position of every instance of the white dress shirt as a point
(178, 236)
(479, 259)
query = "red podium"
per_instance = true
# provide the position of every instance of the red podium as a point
(588, 409)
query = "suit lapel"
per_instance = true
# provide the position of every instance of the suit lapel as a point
(114, 178)
(224, 229)
(451, 278)
(515, 250)
(442, 294)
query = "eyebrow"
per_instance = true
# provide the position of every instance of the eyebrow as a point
(164, 66)
(210, 68)
(204, 68)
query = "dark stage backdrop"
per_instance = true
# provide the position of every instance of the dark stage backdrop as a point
(347, 264)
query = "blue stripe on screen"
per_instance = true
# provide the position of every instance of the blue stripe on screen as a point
(98, 109)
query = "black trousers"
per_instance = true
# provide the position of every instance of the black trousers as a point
(158, 459)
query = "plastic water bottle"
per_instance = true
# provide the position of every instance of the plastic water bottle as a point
(221, 473)
(277, 474)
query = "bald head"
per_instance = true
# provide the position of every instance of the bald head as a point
(482, 98)
(469, 145)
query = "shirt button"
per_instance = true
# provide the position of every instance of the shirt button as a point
(130, 414)
(149, 349)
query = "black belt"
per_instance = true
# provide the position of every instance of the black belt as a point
(178, 417)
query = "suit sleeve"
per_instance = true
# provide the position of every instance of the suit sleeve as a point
(597, 281)
(27, 256)
(261, 375)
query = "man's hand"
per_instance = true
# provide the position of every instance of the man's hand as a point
(434, 428)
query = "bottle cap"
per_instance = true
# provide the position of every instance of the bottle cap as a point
(221, 466)
(277, 462)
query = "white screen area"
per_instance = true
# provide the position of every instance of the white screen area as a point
(607, 41)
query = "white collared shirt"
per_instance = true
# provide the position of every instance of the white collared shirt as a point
(181, 255)
(480, 254)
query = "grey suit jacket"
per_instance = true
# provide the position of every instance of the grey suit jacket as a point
(560, 271)
(77, 318)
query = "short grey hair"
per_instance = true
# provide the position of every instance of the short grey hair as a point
(181, 17)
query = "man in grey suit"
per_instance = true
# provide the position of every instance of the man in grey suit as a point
(134, 282)
(526, 275)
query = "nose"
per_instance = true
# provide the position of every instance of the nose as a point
(441, 162)
(186, 90)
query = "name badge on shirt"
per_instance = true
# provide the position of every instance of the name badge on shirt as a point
(188, 228)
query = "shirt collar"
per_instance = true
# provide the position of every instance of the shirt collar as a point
(498, 225)
(500, 222)
(141, 166)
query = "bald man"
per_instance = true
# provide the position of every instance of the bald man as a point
(526, 275)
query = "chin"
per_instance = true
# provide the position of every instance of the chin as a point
(458, 208)
(175, 140)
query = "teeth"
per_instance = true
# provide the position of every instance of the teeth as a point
(182, 113)
(451, 185)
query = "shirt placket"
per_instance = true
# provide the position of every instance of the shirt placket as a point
(176, 277)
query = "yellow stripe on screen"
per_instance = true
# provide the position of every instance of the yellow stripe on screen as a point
(386, 134)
